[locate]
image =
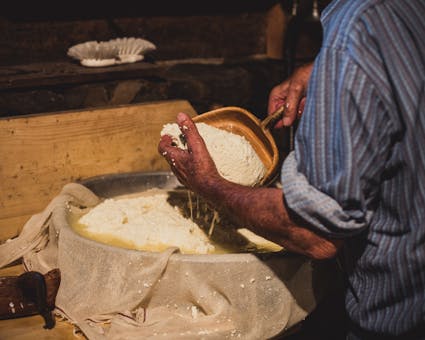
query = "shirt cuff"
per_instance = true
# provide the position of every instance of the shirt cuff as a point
(318, 209)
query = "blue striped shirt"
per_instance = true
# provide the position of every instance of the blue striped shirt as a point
(358, 169)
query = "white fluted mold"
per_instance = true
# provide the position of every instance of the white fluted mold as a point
(112, 52)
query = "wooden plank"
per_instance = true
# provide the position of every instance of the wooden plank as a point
(31, 327)
(11, 226)
(275, 34)
(41, 153)
(67, 72)
(12, 270)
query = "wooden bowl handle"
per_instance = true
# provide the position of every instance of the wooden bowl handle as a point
(273, 118)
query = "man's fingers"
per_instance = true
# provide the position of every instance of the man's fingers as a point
(301, 108)
(184, 119)
(165, 144)
(295, 94)
(277, 97)
(195, 143)
(169, 151)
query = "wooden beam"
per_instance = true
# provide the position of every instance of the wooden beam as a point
(275, 31)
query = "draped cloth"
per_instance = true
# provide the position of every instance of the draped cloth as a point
(116, 293)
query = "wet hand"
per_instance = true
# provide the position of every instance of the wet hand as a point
(193, 167)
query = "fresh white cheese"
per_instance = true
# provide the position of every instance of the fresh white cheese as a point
(148, 222)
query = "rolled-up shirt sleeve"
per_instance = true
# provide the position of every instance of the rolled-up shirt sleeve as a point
(316, 207)
(332, 179)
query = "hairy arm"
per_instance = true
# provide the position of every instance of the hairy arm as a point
(262, 210)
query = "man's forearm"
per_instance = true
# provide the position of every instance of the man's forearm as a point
(264, 211)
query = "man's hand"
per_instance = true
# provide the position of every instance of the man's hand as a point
(291, 93)
(193, 167)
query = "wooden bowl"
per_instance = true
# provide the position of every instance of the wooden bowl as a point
(241, 122)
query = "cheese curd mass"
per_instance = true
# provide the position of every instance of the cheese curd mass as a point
(156, 219)
(234, 157)
(146, 222)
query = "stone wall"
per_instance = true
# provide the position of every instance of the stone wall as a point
(211, 53)
(214, 54)
(205, 85)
